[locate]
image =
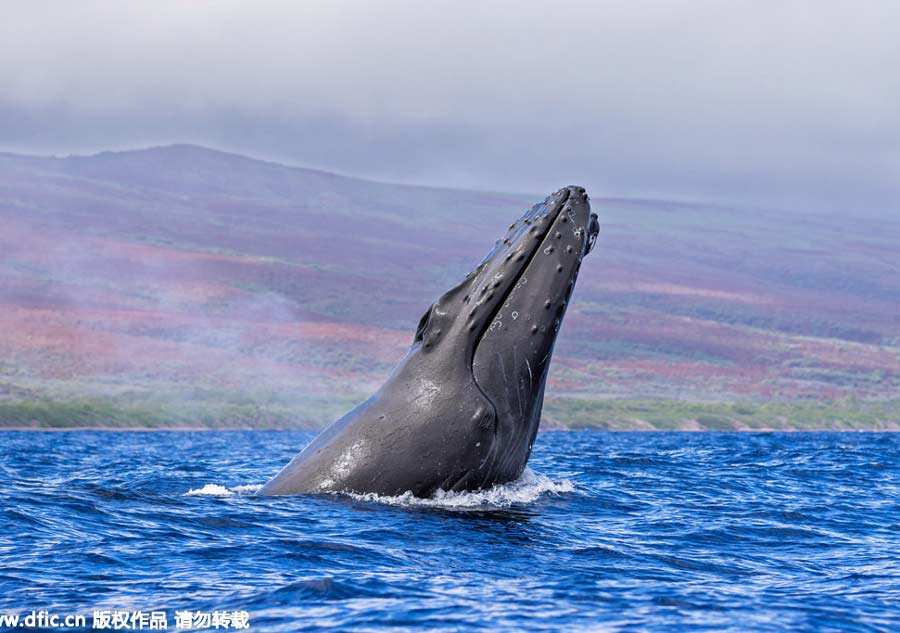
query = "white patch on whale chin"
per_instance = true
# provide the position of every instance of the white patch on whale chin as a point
(428, 390)
(344, 465)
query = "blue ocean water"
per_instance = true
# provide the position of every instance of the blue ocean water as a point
(610, 531)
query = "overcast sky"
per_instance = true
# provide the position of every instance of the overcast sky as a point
(790, 104)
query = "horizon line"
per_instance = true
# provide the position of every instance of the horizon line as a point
(326, 172)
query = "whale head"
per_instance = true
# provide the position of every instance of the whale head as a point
(462, 408)
(500, 324)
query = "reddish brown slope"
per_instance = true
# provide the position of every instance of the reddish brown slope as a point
(186, 275)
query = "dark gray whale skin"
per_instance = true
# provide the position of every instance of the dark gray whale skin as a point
(462, 409)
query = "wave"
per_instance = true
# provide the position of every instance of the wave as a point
(526, 489)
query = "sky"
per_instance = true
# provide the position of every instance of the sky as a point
(782, 104)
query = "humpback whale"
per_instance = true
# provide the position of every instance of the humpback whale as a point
(462, 409)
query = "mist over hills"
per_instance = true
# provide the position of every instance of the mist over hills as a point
(181, 285)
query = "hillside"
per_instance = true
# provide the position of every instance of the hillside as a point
(185, 286)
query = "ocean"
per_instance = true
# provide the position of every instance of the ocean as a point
(606, 532)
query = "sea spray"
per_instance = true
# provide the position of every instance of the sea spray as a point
(526, 489)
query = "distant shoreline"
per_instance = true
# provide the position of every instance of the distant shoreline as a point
(561, 412)
(283, 429)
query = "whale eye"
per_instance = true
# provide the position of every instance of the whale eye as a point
(484, 417)
(423, 325)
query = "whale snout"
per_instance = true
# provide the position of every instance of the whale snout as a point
(578, 210)
(547, 244)
(579, 199)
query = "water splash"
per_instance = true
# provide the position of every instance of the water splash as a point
(526, 489)
(215, 490)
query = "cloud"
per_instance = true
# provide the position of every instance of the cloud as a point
(777, 103)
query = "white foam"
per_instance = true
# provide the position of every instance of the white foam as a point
(246, 489)
(215, 490)
(526, 489)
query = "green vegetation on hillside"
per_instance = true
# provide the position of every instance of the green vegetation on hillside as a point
(574, 413)
(673, 415)
(213, 411)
